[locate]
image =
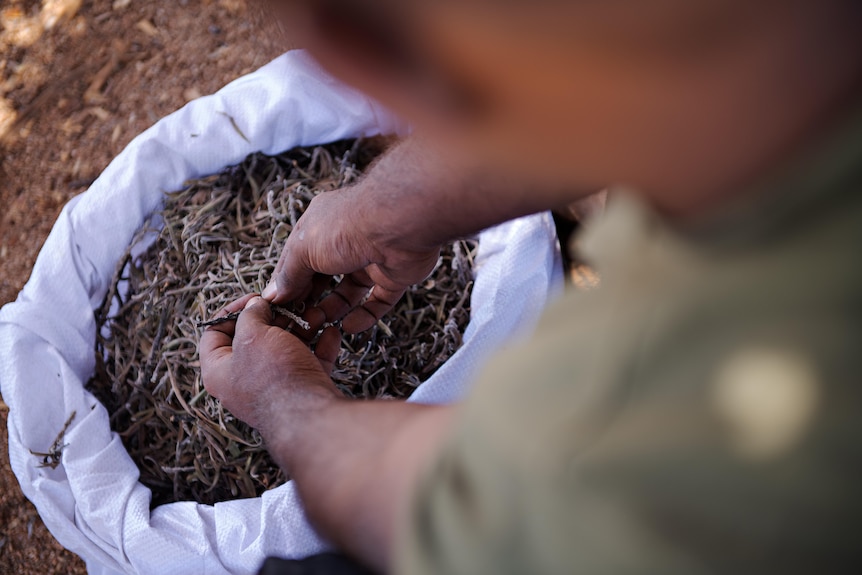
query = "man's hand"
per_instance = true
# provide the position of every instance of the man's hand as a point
(255, 367)
(339, 234)
(384, 233)
(354, 463)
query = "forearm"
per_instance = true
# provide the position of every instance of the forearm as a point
(418, 195)
(355, 464)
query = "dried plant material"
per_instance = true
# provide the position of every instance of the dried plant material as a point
(214, 241)
(275, 308)
(7, 117)
(147, 28)
(18, 29)
(53, 11)
(235, 126)
(94, 95)
(55, 453)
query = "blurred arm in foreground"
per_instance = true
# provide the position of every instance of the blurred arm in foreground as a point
(698, 413)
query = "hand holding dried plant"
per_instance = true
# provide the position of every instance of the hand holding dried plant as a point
(384, 232)
(215, 240)
(254, 366)
(355, 463)
(332, 238)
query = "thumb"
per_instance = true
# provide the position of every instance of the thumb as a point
(256, 314)
(292, 280)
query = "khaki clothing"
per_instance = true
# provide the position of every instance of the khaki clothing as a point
(700, 412)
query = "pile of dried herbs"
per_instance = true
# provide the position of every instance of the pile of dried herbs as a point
(215, 240)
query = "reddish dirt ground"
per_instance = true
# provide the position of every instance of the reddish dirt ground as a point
(78, 80)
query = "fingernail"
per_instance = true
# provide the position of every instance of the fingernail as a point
(270, 291)
(253, 301)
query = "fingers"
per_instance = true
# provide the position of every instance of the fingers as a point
(324, 241)
(327, 348)
(346, 296)
(365, 316)
(221, 335)
(319, 285)
(315, 318)
(213, 346)
(235, 306)
(293, 279)
(216, 346)
(256, 314)
(313, 314)
(239, 304)
(346, 302)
